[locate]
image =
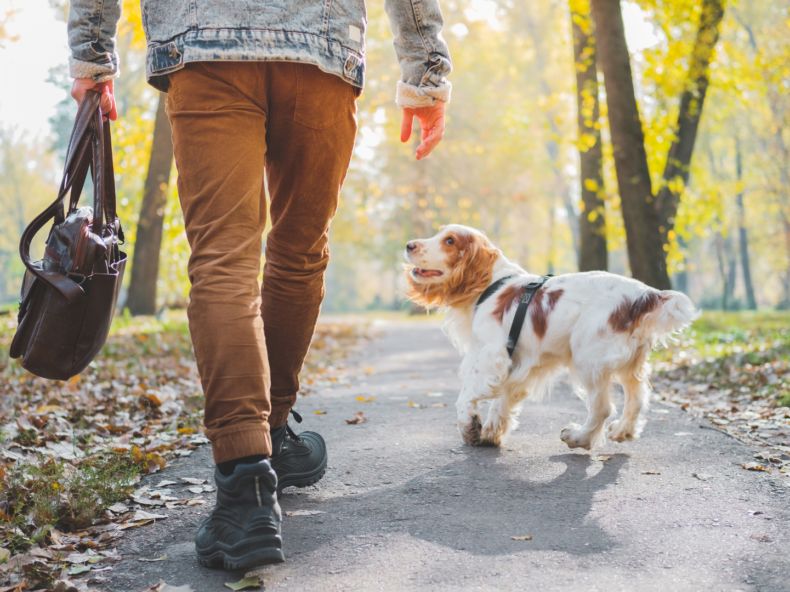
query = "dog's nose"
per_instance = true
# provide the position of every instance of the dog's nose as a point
(410, 246)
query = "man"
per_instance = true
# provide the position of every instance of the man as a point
(254, 85)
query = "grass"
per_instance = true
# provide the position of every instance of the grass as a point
(746, 350)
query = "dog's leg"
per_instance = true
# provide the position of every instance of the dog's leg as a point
(599, 408)
(637, 397)
(483, 377)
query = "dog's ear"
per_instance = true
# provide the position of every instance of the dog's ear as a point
(471, 275)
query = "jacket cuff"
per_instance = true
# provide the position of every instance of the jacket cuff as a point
(409, 96)
(99, 72)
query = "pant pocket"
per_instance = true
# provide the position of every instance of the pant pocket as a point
(321, 99)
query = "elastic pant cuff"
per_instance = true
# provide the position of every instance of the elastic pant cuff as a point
(241, 443)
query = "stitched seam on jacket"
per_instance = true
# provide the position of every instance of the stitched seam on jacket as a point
(98, 26)
(417, 22)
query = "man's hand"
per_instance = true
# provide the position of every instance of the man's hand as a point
(107, 103)
(432, 124)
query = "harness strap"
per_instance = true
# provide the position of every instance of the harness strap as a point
(521, 313)
(491, 290)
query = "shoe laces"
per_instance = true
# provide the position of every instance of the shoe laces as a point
(289, 431)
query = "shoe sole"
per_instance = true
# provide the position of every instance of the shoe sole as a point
(302, 479)
(227, 559)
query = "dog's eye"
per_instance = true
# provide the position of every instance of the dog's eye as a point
(449, 241)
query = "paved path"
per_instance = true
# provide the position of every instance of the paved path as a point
(406, 506)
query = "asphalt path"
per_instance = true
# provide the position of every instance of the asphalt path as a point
(405, 505)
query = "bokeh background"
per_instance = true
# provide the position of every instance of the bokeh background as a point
(509, 163)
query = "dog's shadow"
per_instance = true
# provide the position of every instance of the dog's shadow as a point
(477, 505)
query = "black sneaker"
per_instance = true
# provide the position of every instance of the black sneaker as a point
(243, 530)
(300, 460)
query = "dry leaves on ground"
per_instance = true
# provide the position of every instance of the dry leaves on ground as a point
(72, 451)
(734, 369)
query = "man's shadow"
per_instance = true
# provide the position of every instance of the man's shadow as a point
(474, 504)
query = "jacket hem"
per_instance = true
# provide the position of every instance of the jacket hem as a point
(211, 45)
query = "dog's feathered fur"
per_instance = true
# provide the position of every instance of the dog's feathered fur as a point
(599, 326)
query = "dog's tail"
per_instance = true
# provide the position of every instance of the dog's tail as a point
(675, 312)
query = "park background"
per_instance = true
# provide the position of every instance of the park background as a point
(509, 163)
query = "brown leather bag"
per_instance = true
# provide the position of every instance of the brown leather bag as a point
(69, 296)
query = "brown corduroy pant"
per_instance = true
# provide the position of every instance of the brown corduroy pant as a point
(231, 122)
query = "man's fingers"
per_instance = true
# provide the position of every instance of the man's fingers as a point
(405, 125)
(431, 137)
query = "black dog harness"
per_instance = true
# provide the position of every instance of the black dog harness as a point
(521, 312)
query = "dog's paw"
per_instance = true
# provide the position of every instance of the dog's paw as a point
(471, 431)
(623, 431)
(494, 433)
(574, 437)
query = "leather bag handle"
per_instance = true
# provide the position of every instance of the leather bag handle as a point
(88, 135)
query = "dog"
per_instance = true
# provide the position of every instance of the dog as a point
(599, 326)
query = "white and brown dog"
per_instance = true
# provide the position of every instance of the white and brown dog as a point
(599, 326)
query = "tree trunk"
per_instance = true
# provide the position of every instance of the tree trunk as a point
(592, 221)
(646, 253)
(676, 172)
(743, 237)
(145, 263)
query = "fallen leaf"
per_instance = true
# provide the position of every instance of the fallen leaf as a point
(4, 554)
(163, 587)
(755, 467)
(439, 405)
(682, 433)
(49, 408)
(433, 394)
(364, 400)
(143, 515)
(369, 369)
(358, 418)
(602, 458)
(417, 405)
(127, 525)
(78, 558)
(162, 558)
(521, 538)
(415, 376)
(165, 483)
(78, 569)
(762, 538)
(253, 582)
(193, 481)
(292, 513)
(320, 412)
(651, 472)
(118, 508)
(195, 489)
(702, 476)
(196, 502)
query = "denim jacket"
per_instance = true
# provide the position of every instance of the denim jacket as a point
(327, 33)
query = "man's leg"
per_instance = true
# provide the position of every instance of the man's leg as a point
(218, 116)
(219, 143)
(310, 137)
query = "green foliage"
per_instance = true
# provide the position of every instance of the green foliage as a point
(66, 496)
(744, 352)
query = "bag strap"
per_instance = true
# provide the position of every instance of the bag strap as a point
(83, 138)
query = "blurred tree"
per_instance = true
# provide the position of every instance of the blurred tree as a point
(145, 264)
(676, 173)
(593, 255)
(645, 248)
